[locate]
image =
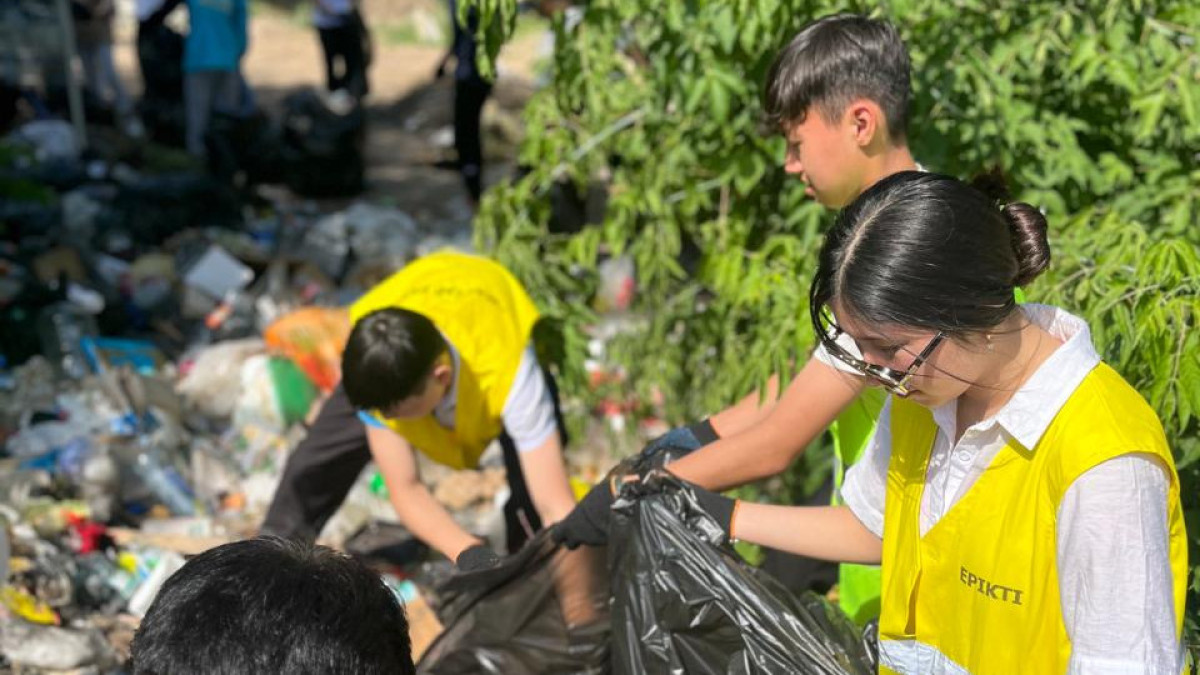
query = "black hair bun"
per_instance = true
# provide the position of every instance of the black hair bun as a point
(1028, 227)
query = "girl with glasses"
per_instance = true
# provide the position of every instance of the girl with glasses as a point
(1018, 494)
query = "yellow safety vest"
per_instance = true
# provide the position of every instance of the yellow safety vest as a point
(979, 592)
(858, 585)
(487, 315)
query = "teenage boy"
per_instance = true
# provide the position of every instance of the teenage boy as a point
(838, 92)
(440, 361)
(269, 605)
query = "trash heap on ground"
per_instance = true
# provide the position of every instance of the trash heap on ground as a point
(163, 339)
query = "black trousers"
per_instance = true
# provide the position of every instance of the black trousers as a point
(324, 466)
(346, 56)
(469, 96)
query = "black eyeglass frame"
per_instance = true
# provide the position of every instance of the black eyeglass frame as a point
(894, 381)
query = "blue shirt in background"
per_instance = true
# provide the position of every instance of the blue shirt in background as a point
(218, 35)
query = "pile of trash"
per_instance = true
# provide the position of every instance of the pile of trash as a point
(163, 340)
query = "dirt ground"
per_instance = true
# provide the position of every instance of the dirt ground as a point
(409, 113)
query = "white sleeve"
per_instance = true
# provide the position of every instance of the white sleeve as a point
(865, 487)
(528, 412)
(821, 353)
(1114, 570)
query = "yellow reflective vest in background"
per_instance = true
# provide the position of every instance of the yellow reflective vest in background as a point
(979, 592)
(487, 315)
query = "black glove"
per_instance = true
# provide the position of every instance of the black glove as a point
(477, 558)
(587, 523)
(683, 439)
(719, 508)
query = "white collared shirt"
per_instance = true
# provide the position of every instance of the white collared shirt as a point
(528, 412)
(1112, 537)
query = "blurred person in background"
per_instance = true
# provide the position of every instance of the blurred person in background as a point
(471, 91)
(346, 45)
(160, 59)
(93, 21)
(216, 43)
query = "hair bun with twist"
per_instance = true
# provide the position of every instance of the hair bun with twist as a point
(1028, 227)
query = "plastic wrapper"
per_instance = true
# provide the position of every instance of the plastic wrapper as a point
(215, 375)
(313, 338)
(543, 611)
(49, 139)
(53, 648)
(683, 602)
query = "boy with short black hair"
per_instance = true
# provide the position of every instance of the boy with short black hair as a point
(268, 605)
(843, 79)
(390, 357)
(838, 92)
(440, 361)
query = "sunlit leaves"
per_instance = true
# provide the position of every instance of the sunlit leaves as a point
(1091, 108)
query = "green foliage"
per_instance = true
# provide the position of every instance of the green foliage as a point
(1091, 108)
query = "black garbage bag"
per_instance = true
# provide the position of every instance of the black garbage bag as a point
(684, 602)
(323, 149)
(542, 611)
(160, 54)
(247, 144)
(156, 207)
(664, 597)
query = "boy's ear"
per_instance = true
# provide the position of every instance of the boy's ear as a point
(443, 372)
(866, 122)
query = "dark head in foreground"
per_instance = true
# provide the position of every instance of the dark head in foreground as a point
(268, 605)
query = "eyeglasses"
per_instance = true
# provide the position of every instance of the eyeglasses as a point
(894, 381)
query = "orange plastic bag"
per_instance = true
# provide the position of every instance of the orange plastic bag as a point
(313, 338)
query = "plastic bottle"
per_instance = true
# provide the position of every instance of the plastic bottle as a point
(60, 328)
(163, 481)
(167, 564)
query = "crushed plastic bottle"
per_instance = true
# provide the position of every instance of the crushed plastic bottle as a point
(60, 329)
(163, 480)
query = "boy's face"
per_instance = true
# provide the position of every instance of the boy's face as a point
(827, 157)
